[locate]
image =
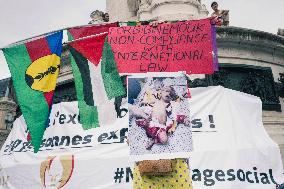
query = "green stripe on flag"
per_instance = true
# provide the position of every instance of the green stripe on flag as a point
(112, 81)
(31, 102)
(70, 37)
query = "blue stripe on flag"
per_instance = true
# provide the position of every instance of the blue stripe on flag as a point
(55, 43)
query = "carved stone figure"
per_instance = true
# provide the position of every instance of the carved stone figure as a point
(97, 17)
(281, 78)
(280, 85)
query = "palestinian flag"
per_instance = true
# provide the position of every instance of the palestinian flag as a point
(96, 79)
(34, 68)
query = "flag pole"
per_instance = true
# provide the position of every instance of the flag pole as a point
(51, 32)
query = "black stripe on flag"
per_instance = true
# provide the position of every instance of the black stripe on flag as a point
(83, 66)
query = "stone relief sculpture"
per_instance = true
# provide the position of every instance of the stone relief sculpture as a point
(144, 4)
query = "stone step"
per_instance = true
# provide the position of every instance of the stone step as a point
(274, 128)
(279, 139)
(273, 120)
(275, 131)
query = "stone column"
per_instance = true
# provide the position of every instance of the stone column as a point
(171, 10)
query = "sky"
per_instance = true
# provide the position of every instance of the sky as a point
(23, 19)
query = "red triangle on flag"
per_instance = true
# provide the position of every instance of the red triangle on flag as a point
(49, 97)
(91, 48)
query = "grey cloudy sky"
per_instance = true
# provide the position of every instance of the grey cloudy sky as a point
(21, 19)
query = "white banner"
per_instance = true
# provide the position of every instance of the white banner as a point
(231, 149)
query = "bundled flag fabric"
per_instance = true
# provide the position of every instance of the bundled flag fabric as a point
(84, 31)
(96, 79)
(34, 68)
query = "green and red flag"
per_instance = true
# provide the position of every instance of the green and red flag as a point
(96, 78)
(34, 68)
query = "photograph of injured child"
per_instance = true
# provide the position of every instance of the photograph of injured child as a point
(159, 115)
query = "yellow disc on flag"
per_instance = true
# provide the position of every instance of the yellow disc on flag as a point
(41, 75)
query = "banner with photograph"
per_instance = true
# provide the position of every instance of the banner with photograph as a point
(159, 117)
(231, 149)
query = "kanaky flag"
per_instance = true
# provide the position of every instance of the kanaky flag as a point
(34, 68)
(96, 80)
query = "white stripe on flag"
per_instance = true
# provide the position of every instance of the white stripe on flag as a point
(105, 107)
(98, 89)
